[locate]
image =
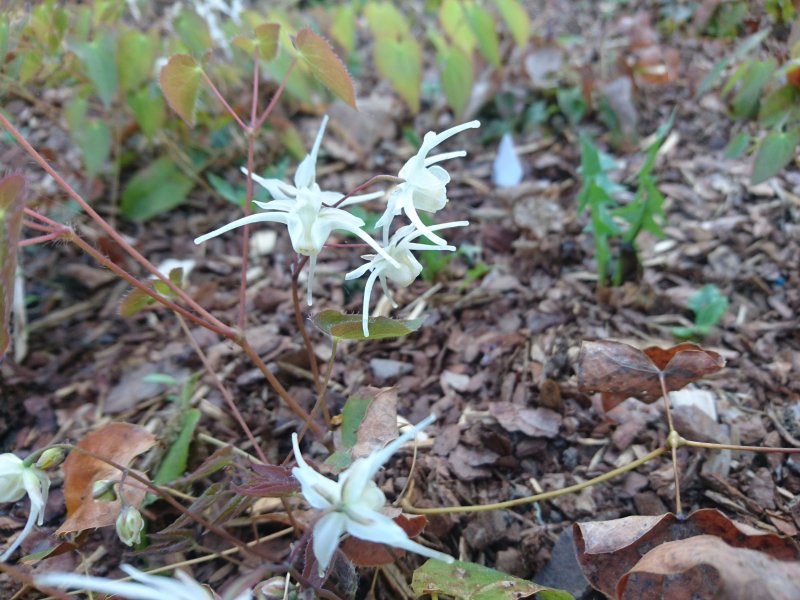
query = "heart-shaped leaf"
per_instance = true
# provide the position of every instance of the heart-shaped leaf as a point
(774, 153)
(180, 82)
(516, 19)
(348, 327)
(326, 66)
(455, 70)
(266, 39)
(400, 62)
(12, 204)
(483, 25)
(155, 189)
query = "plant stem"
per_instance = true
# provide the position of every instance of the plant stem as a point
(537, 497)
(672, 445)
(224, 391)
(300, 321)
(224, 102)
(39, 239)
(275, 96)
(321, 398)
(765, 449)
(368, 183)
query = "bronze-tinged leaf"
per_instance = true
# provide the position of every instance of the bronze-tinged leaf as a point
(117, 442)
(180, 83)
(705, 566)
(607, 550)
(269, 481)
(371, 554)
(326, 66)
(621, 371)
(12, 204)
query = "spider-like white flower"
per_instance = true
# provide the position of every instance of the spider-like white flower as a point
(144, 586)
(425, 186)
(353, 503)
(307, 211)
(400, 248)
(16, 480)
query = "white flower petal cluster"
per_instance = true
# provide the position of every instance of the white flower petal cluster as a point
(352, 504)
(16, 480)
(425, 185)
(144, 586)
(400, 248)
(307, 211)
(129, 525)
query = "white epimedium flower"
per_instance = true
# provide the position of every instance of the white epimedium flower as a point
(16, 480)
(307, 211)
(353, 503)
(425, 185)
(144, 586)
(400, 248)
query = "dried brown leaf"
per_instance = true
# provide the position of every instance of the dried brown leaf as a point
(371, 554)
(116, 442)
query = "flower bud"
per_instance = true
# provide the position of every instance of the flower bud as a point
(50, 458)
(129, 525)
(103, 490)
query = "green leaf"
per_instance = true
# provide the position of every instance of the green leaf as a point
(326, 66)
(779, 105)
(774, 153)
(193, 32)
(483, 25)
(353, 413)
(455, 23)
(385, 21)
(149, 109)
(516, 19)
(267, 36)
(137, 53)
(12, 204)
(348, 327)
(4, 29)
(572, 103)
(180, 83)
(174, 464)
(710, 79)
(343, 27)
(134, 303)
(757, 74)
(470, 581)
(709, 305)
(455, 70)
(155, 189)
(99, 61)
(737, 145)
(92, 136)
(400, 62)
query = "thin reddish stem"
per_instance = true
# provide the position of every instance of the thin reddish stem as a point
(47, 221)
(41, 227)
(40, 239)
(370, 182)
(674, 448)
(275, 96)
(224, 102)
(103, 224)
(301, 323)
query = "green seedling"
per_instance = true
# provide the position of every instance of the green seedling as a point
(709, 305)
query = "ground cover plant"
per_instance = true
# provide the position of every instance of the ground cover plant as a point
(488, 403)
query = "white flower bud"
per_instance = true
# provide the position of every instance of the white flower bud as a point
(129, 525)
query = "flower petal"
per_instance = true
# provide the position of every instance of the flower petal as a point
(319, 491)
(306, 172)
(411, 213)
(33, 515)
(444, 156)
(278, 189)
(367, 293)
(327, 532)
(258, 218)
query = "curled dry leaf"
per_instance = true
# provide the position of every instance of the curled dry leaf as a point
(116, 442)
(607, 550)
(621, 371)
(269, 481)
(706, 567)
(379, 426)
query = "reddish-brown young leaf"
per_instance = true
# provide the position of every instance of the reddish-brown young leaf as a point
(270, 481)
(117, 442)
(12, 203)
(326, 66)
(371, 554)
(607, 550)
(705, 566)
(180, 83)
(621, 371)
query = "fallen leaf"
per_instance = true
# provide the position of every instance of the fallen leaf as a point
(621, 371)
(379, 426)
(371, 554)
(116, 442)
(607, 550)
(706, 567)
(269, 481)
(533, 422)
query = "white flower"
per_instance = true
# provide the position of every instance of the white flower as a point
(129, 525)
(149, 587)
(16, 480)
(353, 503)
(306, 210)
(425, 186)
(399, 248)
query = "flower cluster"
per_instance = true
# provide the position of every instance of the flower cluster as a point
(311, 214)
(18, 478)
(352, 504)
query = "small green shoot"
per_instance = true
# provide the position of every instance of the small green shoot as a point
(709, 305)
